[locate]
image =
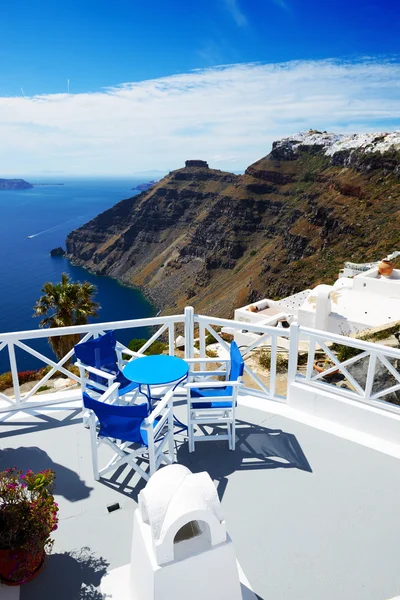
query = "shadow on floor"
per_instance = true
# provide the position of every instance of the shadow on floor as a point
(130, 486)
(68, 576)
(40, 422)
(68, 483)
(257, 447)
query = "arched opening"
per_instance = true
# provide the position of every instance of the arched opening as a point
(187, 532)
(192, 538)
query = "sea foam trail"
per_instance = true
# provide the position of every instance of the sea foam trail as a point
(57, 226)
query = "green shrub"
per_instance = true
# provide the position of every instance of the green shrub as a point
(253, 252)
(23, 377)
(72, 369)
(156, 347)
(345, 352)
(211, 353)
(264, 360)
(210, 339)
(6, 381)
(44, 388)
(308, 176)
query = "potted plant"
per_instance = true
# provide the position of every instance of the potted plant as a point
(324, 364)
(28, 516)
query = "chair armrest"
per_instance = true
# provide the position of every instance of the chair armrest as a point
(94, 371)
(160, 407)
(111, 391)
(213, 384)
(205, 360)
(127, 351)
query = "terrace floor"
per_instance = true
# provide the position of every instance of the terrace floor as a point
(312, 515)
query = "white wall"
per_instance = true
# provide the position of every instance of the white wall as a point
(349, 413)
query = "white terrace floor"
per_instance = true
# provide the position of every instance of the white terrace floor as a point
(313, 516)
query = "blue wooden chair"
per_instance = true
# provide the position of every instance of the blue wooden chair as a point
(100, 363)
(133, 433)
(214, 402)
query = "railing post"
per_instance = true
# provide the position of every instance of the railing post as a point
(370, 375)
(272, 369)
(189, 331)
(14, 373)
(293, 354)
(171, 339)
(202, 334)
(310, 358)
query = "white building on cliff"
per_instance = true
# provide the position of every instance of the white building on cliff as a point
(348, 307)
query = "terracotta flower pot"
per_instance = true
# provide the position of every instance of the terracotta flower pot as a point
(385, 268)
(320, 367)
(10, 561)
(253, 308)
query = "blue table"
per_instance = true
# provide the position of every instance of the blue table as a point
(157, 370)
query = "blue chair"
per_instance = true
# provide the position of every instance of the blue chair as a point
(214, 402)
(102, 361)
(131, 432)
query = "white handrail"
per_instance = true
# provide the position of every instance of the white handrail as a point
(348, 341)
(92, 327)
(257, 328)
(375, 354)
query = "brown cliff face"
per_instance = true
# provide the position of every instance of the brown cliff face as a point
(217, 240)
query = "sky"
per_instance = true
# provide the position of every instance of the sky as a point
(154, 83)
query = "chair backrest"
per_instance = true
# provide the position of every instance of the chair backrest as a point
(99, 353)
(115, 420)
(237, 362)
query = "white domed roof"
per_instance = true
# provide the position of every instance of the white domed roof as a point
(174, 492)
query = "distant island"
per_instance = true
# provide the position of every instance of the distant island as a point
(143, 187)
(37, 184)
(15, 184)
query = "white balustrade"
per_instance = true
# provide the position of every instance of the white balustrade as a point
(10, 341)
(375, 354)
(266, 336)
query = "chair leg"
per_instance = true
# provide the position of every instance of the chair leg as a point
(171, 445)
(233, 435)
(191, 437)
(94, 444)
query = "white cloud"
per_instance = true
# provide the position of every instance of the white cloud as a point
(228, 116)
(237, 13)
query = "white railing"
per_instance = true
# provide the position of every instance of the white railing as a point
(10, 341)
(371, 376)
(267, 336)
(362, 387)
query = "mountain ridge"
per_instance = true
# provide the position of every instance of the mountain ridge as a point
(219, 240)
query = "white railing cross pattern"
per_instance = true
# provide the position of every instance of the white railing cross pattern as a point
(371, 356)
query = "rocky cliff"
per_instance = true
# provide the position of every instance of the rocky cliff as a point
(218, 240)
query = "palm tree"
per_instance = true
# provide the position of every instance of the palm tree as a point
(64, 304)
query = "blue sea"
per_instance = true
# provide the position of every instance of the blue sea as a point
(49, 213)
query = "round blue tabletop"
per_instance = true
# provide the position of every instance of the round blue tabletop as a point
(156, 370)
